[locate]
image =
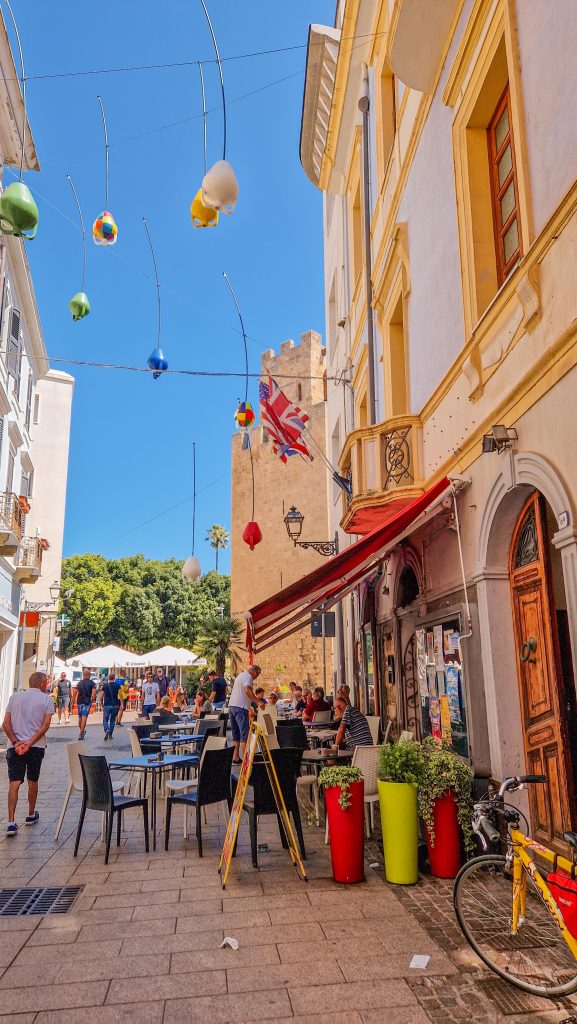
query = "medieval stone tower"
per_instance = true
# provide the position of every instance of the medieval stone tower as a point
(275, 562)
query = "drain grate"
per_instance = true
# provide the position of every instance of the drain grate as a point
(53, 900)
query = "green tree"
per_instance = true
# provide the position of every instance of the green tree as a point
(218, 639)
(218, 538)
(92, 610)
(139, 618)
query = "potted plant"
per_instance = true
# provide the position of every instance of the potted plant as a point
(400, 772)
(446, 807)
(344, 790)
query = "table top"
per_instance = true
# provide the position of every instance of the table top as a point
(177, 726)
(318, 725)
(181, 737)
(322, 755)
(143, 762)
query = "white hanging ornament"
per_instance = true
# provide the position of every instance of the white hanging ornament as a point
(220, 187)
(191, 569)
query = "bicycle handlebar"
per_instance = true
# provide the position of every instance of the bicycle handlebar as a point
(519, 780)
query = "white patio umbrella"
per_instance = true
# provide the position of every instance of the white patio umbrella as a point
(109, 656)
(170, 657)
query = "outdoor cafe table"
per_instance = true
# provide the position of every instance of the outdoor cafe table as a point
(175, 740)
(148, 763)
(178, 726)
(322, 756)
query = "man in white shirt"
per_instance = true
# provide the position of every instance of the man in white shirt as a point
(241, 696)
(26, 722)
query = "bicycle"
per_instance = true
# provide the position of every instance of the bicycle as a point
(504, 905)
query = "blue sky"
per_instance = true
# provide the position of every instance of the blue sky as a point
(131, 439)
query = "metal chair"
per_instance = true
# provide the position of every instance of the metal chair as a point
(213, 787)
(98, 795)
(287, 763)
(367, 759)
(375, 727)
(187, 785)
(75, 784)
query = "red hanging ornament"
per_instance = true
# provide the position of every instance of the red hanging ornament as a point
(252, 535)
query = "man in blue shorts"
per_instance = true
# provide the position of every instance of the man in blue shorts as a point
(240, 700)
(85, 691)
(26, 722)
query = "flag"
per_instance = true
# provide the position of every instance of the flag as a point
(284, 421)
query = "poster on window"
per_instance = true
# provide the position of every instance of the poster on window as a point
(435, 716)
(452, 685)
(438, 648)
(421, 662)
(432, 682)
(430, 648)
(446, 732)
(451, 641)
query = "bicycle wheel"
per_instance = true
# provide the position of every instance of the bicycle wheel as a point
(537, 959)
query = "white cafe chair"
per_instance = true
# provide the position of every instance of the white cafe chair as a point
(75, 783)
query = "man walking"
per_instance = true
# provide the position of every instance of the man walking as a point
(63, 698)
(26, 722)
(162, 682)
(85, 690)
(150, 695)
(240, 700)
(111, 703)
(217, 687)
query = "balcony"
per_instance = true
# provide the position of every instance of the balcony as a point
(384, 465)
(28, 560)
(419, 35)
(11, 523)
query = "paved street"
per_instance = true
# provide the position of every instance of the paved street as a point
(142, 943)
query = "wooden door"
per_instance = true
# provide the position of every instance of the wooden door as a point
(543, 705)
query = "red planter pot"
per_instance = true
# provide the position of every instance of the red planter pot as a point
(346, 830)
(445, 856)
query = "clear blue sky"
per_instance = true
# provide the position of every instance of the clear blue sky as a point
(131, 436)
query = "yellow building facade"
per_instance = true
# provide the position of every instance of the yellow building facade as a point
(444, 140)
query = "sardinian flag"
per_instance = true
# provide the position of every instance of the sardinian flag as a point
(284, 421)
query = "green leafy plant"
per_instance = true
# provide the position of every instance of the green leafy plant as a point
(341, 776)
(443, 770)
(401, 761)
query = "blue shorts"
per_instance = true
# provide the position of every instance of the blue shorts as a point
(84, 710)
(238, 724)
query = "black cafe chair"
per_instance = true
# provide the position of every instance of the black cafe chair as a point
(292, 734)
(213, 787)
(99, 796)
(260, 797)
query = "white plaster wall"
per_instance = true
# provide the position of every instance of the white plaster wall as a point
(547, 36)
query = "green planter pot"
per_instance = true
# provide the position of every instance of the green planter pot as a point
(400, 824)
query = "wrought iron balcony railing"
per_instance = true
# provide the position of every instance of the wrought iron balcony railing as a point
(384, 464)
(28, 559)
(11, 515)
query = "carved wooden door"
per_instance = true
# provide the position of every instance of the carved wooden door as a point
(543, 704)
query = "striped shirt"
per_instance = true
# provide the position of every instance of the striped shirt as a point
(358, 733)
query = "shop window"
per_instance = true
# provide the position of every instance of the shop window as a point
(504, 188)
(357, 225)
(388, 123)
(440, 674)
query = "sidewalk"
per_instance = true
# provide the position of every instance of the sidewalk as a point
(142, 943)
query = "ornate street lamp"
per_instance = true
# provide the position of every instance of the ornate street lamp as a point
(294, 524)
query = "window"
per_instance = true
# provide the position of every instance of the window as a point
(357, 235)
(14, 348)
(24, 484)
(388, 125)
(29, 400)
(10, 474)
(504, 188)
(396, 359)
(36, 416)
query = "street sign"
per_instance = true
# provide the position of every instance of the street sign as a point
(317, 624)
(56, 644)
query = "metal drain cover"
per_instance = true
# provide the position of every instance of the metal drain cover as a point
(53, 900)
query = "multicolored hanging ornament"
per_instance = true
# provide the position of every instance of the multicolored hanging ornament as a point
(191, 569)
(156, 361)
(18, 211)
(252, 535)
(104, 229)
(79, 305)
(244, 415)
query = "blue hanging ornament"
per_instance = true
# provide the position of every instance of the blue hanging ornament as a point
(157, 362)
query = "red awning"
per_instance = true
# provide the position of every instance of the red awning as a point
(290, 610)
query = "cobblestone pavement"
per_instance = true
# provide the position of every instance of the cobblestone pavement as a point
(142, 943)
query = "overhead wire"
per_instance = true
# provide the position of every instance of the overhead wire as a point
(171, 508)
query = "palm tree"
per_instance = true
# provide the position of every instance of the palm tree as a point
(217, 638)
(218, 538)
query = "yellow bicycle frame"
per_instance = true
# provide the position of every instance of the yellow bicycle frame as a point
(523, 862)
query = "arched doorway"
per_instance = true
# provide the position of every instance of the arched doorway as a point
(544, 669)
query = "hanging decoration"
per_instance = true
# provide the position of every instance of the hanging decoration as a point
(202, 216)
(244, 417)
(156, 361)
(219, 185)
(104, 229)
(191, 569)
(79, 305)
(18, 211)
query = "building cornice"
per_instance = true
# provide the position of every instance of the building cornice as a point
(19, 271)
(12, 111)
(322, 56)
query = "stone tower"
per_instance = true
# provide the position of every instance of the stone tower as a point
(275, 562)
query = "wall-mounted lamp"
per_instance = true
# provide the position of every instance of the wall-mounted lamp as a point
(500, 438)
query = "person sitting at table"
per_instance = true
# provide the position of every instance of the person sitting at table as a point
(180, 702)
(344, 693)
(273, 698)
(163, 713)
(261, 702)
(202, 705)
(299, 701)
(316, 703)
(353, 727)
